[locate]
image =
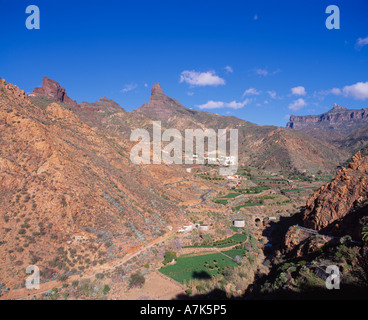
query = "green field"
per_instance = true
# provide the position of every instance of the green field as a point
(230, 196)
(222, 201)
(231, 241)
(201, 266)
(228, 242)
(235, 252)
(252, 190)
(291, 190)
(242, 229)
(248, 204)
(237, 192)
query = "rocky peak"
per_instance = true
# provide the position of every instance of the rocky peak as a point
(52, 89)
(337, 108)
(156, 90)
(160, 106)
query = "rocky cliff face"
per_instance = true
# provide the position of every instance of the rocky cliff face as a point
(341, 120)
(53, 90)
(337, 206)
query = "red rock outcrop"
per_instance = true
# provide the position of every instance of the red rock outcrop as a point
(335, 203)
(52, 89)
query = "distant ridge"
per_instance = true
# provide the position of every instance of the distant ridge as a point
(342, 120)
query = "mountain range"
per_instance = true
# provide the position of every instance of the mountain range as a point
(66, 176)
(266, 147)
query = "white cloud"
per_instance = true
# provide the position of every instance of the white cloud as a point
(265, 72)
(320, 94)
(201, 78)
(272, 94)
(190, 93)
(358, 91)
(361, 42)
(237, 105)
(262, 72)
(220, 104)
(251, 91)
(336, 91)
(229, 69)
(297, 104)
(211, 105)
(298, 91)
(255, 17)
(129, 87)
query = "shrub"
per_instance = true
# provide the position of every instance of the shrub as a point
(200, 288)
(100, 276)
(136, 280)
(169, 256)
(106, 289)
(63, 277)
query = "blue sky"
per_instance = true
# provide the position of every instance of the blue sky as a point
(258, 60)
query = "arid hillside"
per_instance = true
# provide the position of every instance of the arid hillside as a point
(70, 197)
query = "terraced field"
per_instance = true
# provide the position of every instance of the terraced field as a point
(191, 267)
(228, 242)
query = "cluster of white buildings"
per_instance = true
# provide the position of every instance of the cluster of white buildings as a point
(213, 159)
(192, 226)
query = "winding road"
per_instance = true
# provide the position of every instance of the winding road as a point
(202, 197)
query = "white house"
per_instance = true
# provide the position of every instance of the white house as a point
(239, 223)
(186, 228)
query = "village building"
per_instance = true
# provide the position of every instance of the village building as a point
(239, 223)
